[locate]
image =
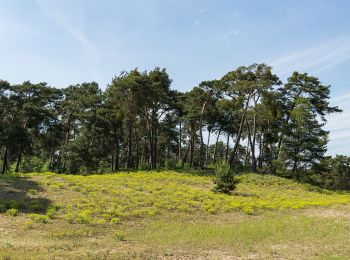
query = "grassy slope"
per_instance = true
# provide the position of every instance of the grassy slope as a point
(168, 214)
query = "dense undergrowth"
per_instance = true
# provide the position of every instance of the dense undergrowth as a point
(113, 198)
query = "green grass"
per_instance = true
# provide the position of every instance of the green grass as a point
(271, 233)
(175, 214)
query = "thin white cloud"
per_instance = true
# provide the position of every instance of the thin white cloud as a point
(71, 18)
(197, 22)
(315, 58)
(201, 11)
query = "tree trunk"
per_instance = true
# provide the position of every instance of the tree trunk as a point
(192, 142)
(227, 146)
(261, 151)
(130, 128)
(137, 151)
(185, 156)
(201, 149)
(180, 142)
(19, 157)
(150, 145)
(239, 134)
(4, 165)
(238, 139)
(252, 147)
(207, 150)
(155, 146)
(129, 154)
(216, 146)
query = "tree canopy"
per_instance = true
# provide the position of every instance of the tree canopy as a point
(249, 118)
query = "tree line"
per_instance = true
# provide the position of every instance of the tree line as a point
(249, 118)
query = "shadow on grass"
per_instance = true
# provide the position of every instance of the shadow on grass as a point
(21, 193)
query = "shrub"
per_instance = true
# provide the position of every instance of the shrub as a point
(169, 165)
(225, 181)
(33, 164)
(143, 166)
(12, 212)
(39, 218)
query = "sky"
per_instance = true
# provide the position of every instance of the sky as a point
(64, 42)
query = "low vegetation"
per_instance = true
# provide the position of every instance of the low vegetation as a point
(175, 214)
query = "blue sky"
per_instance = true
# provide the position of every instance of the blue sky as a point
(65, 42)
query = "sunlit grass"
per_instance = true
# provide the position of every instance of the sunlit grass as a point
(148, 215)
(114, 198)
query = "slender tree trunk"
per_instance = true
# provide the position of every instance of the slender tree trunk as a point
(117, 152)
(216, 146)
(155, 159)
(201, 150)
(261, 151)
(252, 147)
(129, 154)
(227, 146)
(185, 156)
(295, 170)
(239, 134)
(130, 128)
(19, 157)
(254, 163)
(192, 142)
(113, 161)
(4, 165)
(238, 139)
(137, 150)
(207, 149)
(150, 145)
(180, 141)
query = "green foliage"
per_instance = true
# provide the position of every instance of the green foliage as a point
(33, 164)
(12, 212)
(83, 217)
(39, 218)
(169, 165)
(334, 173)
(120, 235)
(225, 181)
(116, 198)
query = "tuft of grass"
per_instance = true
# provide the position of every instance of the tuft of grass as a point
(39, 218)
(120, 235)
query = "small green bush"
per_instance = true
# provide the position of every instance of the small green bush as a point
(225, 181)
(169, 165)
(143, 166)
(12, 212)
(39, 218)
(33, 164)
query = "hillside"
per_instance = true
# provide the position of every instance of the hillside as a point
(168, 214)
